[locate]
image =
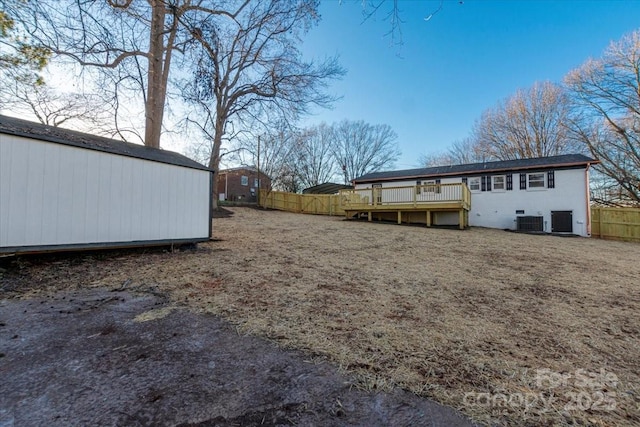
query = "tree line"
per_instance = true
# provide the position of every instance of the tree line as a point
(595, 111)
(218, 66)
(234, 68)
(226, 71)
(296, 159)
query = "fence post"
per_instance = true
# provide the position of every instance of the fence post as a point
(600, 223)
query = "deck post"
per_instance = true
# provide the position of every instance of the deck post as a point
(369, 216)
(399, 217)
(428, 218)
(461, 218)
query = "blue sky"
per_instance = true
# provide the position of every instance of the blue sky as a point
(463, 60)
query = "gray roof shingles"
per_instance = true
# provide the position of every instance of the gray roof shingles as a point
(325, 188)
(566, 160)
(27, 129)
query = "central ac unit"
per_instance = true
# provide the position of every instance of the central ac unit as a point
(529, 223)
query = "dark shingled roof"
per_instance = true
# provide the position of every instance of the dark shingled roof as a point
(326, 188)
(566, 160)
(27, 129)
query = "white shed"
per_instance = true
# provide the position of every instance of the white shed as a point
(66, 190)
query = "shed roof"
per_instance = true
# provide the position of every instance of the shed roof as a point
(326, 188)
(565, 160)
(28, 129)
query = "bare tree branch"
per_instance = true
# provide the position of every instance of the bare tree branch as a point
(361, 148)
(606, 113)
(528, 124)
(253, 64)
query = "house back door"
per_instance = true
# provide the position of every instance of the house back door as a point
(562, 221)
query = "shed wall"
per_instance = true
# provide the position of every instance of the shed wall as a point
(52, 194)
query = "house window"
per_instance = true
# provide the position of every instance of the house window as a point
(474, 183)
(418, 188)
(244, 180)
(536, 180)
(431, 186)
(499, 183)
(255, 182)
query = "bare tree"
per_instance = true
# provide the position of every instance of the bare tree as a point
(314, 148)
(361, 148)
(391, 12)
(460, 152)
(140, 37)
(276, 152)
(253, 63)
(466, 151)
(440, 158)
(606, 114)
(529, 124)
(51, 107)
(294, 159)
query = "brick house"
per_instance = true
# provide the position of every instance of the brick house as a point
(241, 184)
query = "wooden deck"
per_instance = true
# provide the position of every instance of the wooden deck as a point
(410, 204)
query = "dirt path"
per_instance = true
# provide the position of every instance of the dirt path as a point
(98, 357)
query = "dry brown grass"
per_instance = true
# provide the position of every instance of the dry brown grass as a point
(445, 313)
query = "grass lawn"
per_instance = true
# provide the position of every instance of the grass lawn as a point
(509, 328)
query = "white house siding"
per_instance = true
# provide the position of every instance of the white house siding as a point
(497, 209)
(54, 194)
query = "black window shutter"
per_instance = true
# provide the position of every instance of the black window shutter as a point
(509, 181)
(483, 183)
(488, 183)
(523, 181)
(438, 181)
(551, 179)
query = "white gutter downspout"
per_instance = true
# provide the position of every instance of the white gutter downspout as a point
(588, 198)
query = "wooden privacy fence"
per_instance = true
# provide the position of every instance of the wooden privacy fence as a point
(320, 204)
(606, 223)
(616, 223)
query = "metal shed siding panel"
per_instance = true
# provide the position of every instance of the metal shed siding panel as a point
(53, 194)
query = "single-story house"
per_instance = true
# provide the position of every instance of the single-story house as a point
(67, 190)
(241, 184)
(546, 194)
(326, 188)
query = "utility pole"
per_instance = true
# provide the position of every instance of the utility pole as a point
(259, 177)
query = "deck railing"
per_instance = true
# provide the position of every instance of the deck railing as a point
(409, 196)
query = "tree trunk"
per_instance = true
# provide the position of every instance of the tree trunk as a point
(154, 104)
(214, 160)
